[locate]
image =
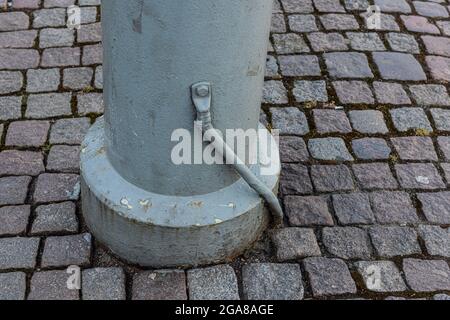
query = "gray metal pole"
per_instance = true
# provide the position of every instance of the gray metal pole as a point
(135, 199)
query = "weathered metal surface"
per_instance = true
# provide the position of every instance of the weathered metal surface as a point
(154, 51)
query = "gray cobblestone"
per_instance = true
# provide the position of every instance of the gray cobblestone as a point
(295, 243)
(55, 218)
(293, 149)
(213, 283)
(302, 23)
(368, 121)
(427, 275)
(289, 121)
(374, 176)
(295, 179)
(327, 41)
(42, 80)
(353, 92)
(329, 149)
(390, 279)
(10, 81)
(70, 131)
(308, 211)
(415, 148)
(437, 240)
(332, 178)
(410, 119)
(289, 43)
(103, 284)
(428, 9)
(436, 206)
(13, 162)
(274, 92)
(315, 91)
(51, 285)
(353, 208)
(393, 6)
(13, 190)
(67, 250)
(77, 78)
(419, 176)
(347, 242)
(56, 187)
(12, 286)
(391, 93)
(430, 95)
(329, 276)
(48, 105)
(394, 241)
(403, 42)
(270, 281)
(331, 121)
(14, 220)
(393, 207)
(348, 65)
(18, 253)
(441, 118)
(362, 41)
(398, 66)
(159, 285)
(299, 65)
(10, 108)
(371, 149)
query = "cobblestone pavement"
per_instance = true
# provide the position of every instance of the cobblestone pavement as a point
(365, 119)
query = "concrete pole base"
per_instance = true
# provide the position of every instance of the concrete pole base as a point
(157, 230)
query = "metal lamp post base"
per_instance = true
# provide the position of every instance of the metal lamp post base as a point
(158, 230)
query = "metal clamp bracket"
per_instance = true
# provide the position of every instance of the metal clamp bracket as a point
(201, 96)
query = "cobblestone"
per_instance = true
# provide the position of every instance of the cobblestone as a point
(437, 240)
(436, 206)
(390, 279)
(290, 121)
(295, 243)
(329, 149)
(419, 176)
(103, 284)
(159, 285)
(368, 121)
(331, 121)
(329, 276)
(415, 148)
(405, 119)
(55, 218)
(308, 211)
(56, 187)
(12, 286)
(18, 253)
(14, 220)
(427, 275)
(67, 250)
(295, 180)
(353, 208)
(269, 281)
(394, 241)
(347, 242)
(213, 283)
(51, 285)
(371, 149)
(374, 176)
(393, 207)
(332, 178)
(398, 66)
